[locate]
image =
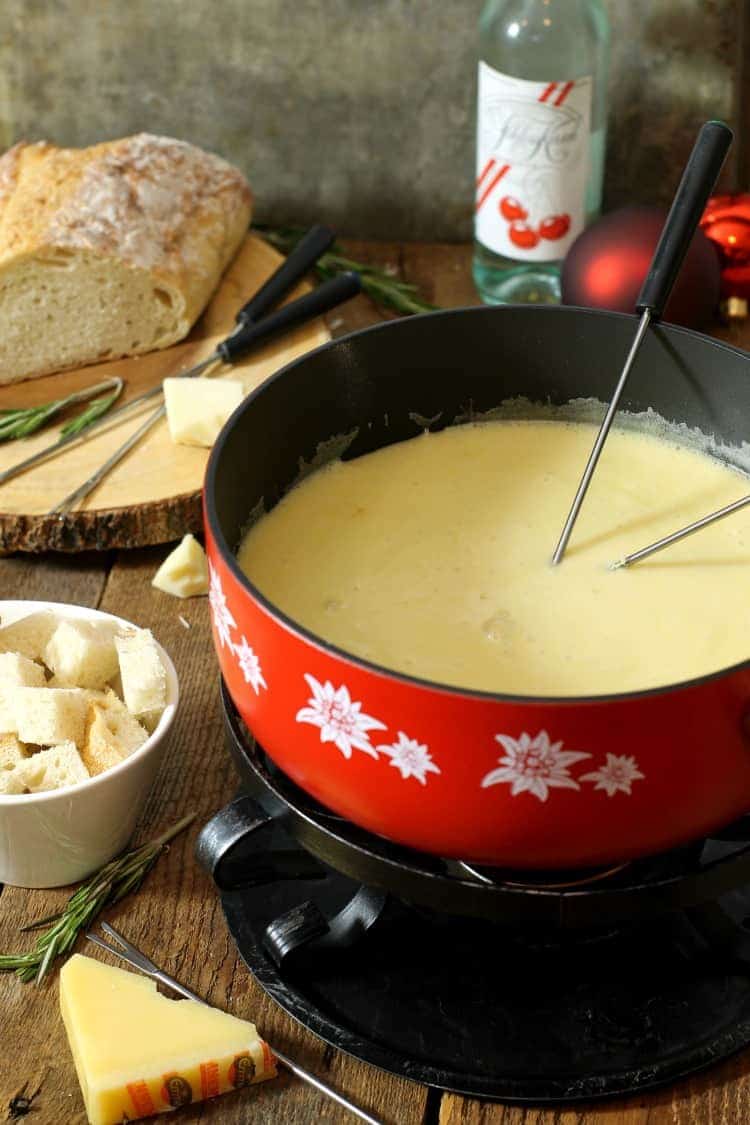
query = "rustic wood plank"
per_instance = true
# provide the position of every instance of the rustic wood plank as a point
(79, 579)
(176, 916)
(442, 271)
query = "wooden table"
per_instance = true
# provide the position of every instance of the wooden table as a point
(176, 916)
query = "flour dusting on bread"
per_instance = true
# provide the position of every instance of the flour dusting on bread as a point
(111, 250)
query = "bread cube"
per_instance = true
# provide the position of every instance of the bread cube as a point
(50, 716)
(55, 768)
(82, 653)
(11, 784)
(12, 752)
(184, 572)
(18, 671)
(144, 681)
(111, 734)
(7, 713)
(30, 635)
(198, 408)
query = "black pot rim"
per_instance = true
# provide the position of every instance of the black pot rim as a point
(302, 633)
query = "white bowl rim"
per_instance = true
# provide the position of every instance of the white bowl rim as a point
(13, 610)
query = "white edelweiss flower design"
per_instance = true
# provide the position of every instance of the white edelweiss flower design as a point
(250, 665)
(534, 765)
(340, 719)
(222, 615)
(616, 776)
(410, 757)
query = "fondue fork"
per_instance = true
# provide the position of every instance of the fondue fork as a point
(697, 183)
(321, 300)
(683, 533)
(304, 256)
(130, 953)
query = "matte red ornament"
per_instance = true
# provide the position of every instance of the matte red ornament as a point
(606, 265)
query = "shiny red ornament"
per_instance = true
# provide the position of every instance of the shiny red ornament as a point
(554, 227)
(726, 222)
(606, 265)
(521, 234)
(511, 209)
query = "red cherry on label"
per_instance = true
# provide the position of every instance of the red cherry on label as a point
(511, 209)
(522, 235)
(554, 226)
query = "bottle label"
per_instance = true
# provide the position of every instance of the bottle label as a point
(532, 164)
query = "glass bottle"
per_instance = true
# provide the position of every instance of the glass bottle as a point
(541, 125)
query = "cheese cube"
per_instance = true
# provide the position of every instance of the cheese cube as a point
(184, 572)
(198, 408)
(29, 635)
(144, 681)
(82, 653)
(56, 768)
(138, 1053)
(12, 753)
(49, 716)
(18, 671)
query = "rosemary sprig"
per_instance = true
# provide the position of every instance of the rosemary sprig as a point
(23, 422)
(115, 880)
(94, 410)
(383, 287)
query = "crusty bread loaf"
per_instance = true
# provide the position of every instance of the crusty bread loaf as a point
(110, 251)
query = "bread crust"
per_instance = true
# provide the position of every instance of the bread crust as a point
(150, 202)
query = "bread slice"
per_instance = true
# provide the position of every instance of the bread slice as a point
(144, 681)
(8, 723)
(29, 635)
(82, 654)
(55, 768)
(111, 250)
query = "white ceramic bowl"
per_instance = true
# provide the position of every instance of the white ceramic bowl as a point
(51, 839)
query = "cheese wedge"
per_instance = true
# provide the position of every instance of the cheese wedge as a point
(184, 572)
(137, 1053)
(198, 408)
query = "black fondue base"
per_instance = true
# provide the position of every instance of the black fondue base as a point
(452, 1002)
(527, 1014)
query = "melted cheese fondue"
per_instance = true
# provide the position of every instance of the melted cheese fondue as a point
(431, 557)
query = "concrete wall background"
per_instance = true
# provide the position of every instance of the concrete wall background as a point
(357, 112)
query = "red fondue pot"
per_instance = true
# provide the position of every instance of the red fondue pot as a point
(512, 781)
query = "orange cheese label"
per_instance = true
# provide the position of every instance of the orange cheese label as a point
(209, 1079)
(141, 1099)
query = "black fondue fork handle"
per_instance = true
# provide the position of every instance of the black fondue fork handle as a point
(695, 187)
(321, 300)
(301, 259)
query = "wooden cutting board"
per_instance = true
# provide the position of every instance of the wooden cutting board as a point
(153, 495)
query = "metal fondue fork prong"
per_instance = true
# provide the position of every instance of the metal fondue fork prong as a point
(683, 533)
(698, 179)
(130, 953)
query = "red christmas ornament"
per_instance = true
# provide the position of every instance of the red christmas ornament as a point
(726, 222)
(606, 265)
